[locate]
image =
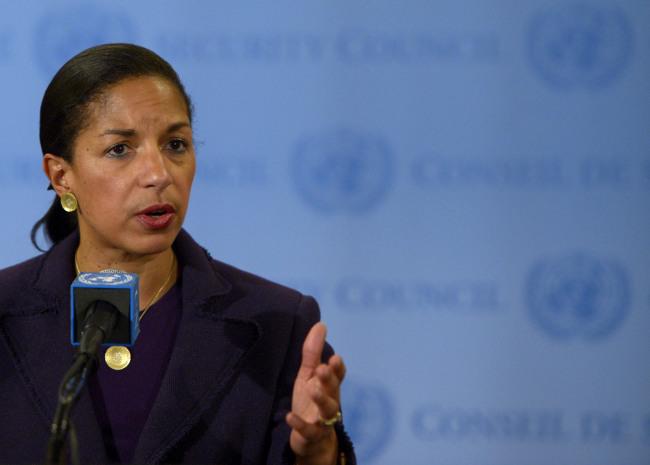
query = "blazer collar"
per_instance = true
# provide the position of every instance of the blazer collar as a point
(57, 273)
(200, 280)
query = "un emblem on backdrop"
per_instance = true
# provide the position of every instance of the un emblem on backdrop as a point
(342, 170)
(63, 32)
(369, 417)
(578, 296)
(580, 45)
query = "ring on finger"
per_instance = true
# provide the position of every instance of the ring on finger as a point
(330, 421)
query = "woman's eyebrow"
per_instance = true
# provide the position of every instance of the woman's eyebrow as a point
(119, 132)
(132, 132)
(177, 126)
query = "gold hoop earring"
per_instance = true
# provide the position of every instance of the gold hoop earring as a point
(69, 202)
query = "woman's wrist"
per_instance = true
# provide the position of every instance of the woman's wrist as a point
(328, 455)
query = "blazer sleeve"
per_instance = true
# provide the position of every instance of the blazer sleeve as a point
(307, 314)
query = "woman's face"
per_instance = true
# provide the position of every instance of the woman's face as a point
(133, 167)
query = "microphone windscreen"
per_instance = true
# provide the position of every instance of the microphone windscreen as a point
(115, 287)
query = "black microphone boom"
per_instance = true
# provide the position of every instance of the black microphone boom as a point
(100, 322)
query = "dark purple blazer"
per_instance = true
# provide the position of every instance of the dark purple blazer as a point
(228, 384)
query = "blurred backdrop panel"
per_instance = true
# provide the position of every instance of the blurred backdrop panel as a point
(463, 185)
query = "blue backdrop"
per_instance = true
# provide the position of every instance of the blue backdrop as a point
(464, 186)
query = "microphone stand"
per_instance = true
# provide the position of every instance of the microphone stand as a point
(69, 391)
(100, 321)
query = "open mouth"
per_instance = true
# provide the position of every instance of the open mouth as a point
(157, 218)
(156, 214)
(156, 211)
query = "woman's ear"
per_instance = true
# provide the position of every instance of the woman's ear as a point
(56, 169)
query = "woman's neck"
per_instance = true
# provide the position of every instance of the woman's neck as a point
(157, 272)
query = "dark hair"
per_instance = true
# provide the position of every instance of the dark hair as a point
(65, 109)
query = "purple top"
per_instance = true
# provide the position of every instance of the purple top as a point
(123, 398)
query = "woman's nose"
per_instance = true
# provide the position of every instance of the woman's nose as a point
(154, 171)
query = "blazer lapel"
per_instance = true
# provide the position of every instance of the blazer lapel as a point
(42, 358)
(204, 361)
(38, 338)
(208, 351)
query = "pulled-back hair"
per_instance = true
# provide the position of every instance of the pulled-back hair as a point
(66, 106)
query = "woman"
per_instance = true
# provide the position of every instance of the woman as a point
(227, 368)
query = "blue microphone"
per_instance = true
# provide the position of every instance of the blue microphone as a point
(108, 301)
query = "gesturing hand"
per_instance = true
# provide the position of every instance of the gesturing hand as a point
(316, 399)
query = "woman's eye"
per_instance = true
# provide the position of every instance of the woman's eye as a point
(177, 145)
(118, 150)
